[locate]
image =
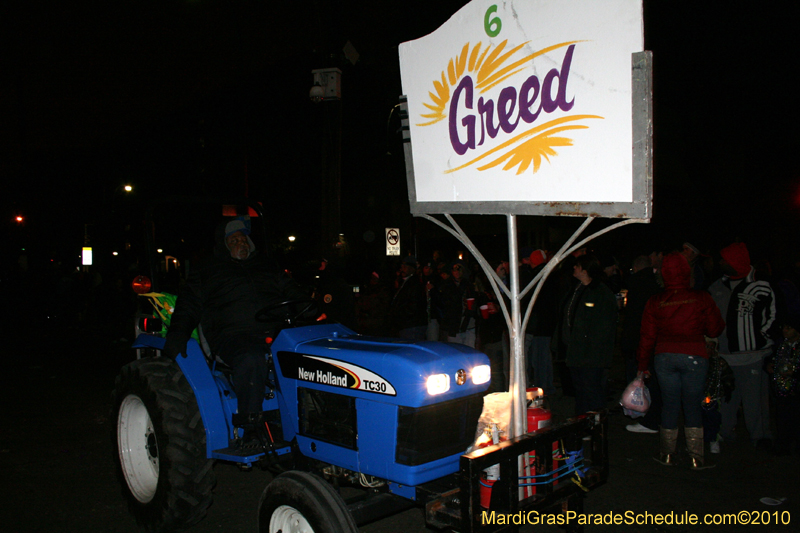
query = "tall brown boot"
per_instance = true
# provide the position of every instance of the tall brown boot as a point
(696, 448)
(668, 440)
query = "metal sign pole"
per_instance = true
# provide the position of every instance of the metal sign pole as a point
(516, 378)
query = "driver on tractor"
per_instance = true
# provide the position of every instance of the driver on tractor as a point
(224, 295)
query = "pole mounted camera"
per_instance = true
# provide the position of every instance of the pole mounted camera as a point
(327, 85)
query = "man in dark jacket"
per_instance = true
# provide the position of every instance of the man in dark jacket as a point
(224, 295)
(587, 327)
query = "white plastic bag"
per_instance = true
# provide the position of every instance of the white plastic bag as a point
(496, 413)
(635, 399)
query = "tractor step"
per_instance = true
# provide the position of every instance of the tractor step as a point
(237, 455)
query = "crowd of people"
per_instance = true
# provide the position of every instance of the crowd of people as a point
(668, 317)
(679, 317)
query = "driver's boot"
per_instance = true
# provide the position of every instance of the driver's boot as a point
(248, 435)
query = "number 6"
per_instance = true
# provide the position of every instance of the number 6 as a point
(492, 25)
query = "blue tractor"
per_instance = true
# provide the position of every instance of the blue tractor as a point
(389, 416)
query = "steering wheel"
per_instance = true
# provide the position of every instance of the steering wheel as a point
(270, 312)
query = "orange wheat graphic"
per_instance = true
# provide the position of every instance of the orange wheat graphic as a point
(532, 150)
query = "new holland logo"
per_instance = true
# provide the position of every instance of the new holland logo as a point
(324, 371)
(485, 93)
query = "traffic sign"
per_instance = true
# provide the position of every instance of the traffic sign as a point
(392, 241)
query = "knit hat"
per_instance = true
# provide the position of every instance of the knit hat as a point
(738, 257)
(239, 225)
(538, 257)
(236, 225)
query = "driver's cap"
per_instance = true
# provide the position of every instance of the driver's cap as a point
(236, 225)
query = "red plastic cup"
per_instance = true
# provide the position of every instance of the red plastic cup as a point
(485, 311)
(470, 303)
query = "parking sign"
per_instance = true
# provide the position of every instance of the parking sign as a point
(392, 241)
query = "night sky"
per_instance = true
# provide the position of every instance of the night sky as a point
(211, 98)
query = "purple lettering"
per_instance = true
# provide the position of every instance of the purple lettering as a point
(526, 101)
(469, 121)
(505, 109)
(486, 111)
(555, 81)
(548, 104)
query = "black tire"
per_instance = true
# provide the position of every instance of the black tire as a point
(295, 496)
(160, 446)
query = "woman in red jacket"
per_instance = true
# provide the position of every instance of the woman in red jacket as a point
(674, 327)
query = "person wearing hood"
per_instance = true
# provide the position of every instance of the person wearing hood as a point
(748, 306)
(675, 325)
(223, 295)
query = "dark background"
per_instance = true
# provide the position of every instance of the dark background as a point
(211, 98)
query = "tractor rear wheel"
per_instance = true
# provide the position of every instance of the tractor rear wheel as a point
(301, 502)
(161, 446)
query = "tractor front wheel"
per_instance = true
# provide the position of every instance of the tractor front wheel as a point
(161, 446)
(301, 502)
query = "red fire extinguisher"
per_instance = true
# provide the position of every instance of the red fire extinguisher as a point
(538, 416)
(491, 474)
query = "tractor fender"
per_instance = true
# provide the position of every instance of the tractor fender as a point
(195, 367)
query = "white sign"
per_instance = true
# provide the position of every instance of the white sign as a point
(392, 241)
(86, 256)
(524, 101)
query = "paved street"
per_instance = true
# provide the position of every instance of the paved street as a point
(57, 474)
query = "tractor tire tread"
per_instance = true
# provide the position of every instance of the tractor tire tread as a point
(320, 504)
(187, 478)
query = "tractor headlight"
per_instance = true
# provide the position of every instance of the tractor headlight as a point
(481, 374)
(438, 383)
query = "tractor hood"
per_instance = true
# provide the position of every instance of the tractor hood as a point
(387, 370)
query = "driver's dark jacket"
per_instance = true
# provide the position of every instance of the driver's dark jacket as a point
(224, 295)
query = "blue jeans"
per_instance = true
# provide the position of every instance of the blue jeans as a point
(682, 379)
